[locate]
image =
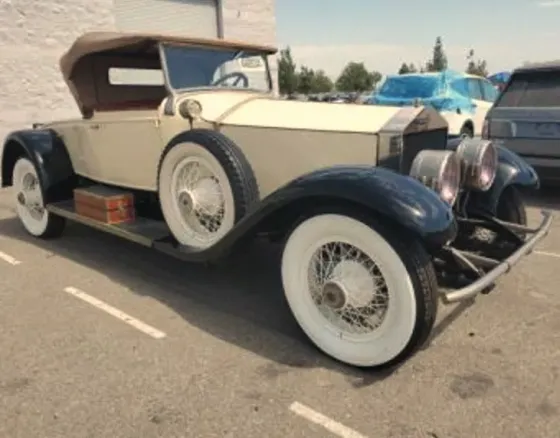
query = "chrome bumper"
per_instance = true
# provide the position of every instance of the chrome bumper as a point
(498, 267)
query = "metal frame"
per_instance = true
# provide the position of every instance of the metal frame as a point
(476, 263)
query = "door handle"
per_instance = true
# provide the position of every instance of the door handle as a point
(94, 126)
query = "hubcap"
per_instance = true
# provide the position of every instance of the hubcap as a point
(334, 295)
(29, 197)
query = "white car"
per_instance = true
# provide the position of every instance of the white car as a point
(462, 99)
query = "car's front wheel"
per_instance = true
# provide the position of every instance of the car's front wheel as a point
(359, 292)
(30, 205)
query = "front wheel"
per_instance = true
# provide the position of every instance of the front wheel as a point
(30, 205)
(361, 294)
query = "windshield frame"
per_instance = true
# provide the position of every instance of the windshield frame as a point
(252, 52)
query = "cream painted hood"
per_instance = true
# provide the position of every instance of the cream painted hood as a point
(265, 111)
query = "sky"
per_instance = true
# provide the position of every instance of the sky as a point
(326, 34)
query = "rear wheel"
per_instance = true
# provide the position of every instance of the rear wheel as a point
(359, 294)
(30, 205)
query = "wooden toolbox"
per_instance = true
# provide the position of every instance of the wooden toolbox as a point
(104, 204)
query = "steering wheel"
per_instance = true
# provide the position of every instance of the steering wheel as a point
(236, 74)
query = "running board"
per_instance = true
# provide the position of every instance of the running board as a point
(142, 230)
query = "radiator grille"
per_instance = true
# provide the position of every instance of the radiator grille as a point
(418, 141)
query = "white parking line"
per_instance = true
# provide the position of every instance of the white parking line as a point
(332, 426)
(137, 324)
(9, 259)
(548, 254)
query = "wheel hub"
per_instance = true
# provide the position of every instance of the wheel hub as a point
(186, 202)
(334, 295)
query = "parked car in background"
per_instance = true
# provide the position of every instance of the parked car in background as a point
(462, 99)
(526, 118)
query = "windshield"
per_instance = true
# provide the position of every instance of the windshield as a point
(410, 87)
(204, 67)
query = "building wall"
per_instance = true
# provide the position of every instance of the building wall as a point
(34, 33)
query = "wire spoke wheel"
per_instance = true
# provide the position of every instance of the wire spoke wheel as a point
(359, 298)
(348, 288)
(199, 199)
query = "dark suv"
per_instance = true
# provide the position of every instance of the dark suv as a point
(526, 118)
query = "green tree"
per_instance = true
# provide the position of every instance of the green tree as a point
(321, 83)
(407, 68)
(438, 62)
(305, 80)
(287, 75)
(355, 77)
(476, 66)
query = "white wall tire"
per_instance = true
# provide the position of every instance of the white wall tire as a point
(224, 194)
(182, 160)
(30, 206)
(409, 291)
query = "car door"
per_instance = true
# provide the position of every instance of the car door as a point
(481, 106)
(124, 148)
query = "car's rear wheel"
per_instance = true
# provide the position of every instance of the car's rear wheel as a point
(30, 205)
(205, 186)
(358, 292)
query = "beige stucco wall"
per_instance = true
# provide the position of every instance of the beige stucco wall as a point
(33, 35)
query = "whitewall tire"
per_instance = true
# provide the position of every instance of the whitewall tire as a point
(359, 294)
(196, 196)
(30, 206)
(205, 186)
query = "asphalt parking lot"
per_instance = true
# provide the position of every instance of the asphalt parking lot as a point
(102, 338)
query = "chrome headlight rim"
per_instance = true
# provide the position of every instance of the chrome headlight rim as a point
(439, 170)
(479, 163)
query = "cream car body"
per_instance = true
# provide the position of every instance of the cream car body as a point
(369, 201)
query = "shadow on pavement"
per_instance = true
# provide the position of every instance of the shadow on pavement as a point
(240, 302)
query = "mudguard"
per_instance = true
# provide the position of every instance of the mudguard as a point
(512, 170)
(47, 151)
(400, 199)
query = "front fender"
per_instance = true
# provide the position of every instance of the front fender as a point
(512, 170)
(50, 157)
(400, 199)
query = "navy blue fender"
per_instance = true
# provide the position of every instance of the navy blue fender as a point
(512, 170)
(47, 151)
(381, 192)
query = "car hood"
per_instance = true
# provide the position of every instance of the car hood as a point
(266, 111)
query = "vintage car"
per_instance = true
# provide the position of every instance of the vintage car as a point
(462, 99)
(184, 147)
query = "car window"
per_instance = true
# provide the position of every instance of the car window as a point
(135, 76)
(475, 90)
(532, 89)
(460, 86)
(489, 91)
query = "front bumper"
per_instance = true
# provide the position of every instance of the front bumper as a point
(496, 268)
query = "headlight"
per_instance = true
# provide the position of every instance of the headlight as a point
(479, 160)
(440, 171)
(190, 109)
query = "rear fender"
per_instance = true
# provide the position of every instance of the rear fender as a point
(50, 157)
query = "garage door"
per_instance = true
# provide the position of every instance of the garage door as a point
(196, 18)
